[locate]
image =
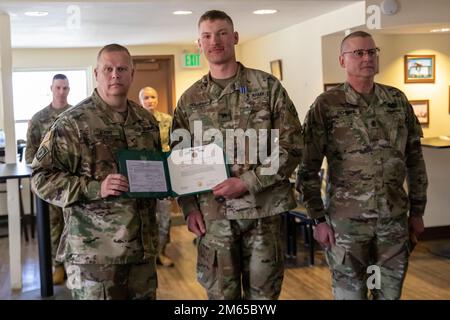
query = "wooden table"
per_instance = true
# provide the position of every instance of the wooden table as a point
(436, 152)
(44, 246)
(12, 172)
(435, 142)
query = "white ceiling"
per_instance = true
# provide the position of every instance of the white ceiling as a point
(148, 22)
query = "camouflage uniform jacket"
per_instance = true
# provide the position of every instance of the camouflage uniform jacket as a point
(38, 127)
(75, 156)
(165, 123)
(255, 100)
(370, 150)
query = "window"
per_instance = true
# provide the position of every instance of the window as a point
(31, 93)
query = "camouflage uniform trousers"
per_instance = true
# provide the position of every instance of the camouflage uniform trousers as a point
(163, 212)
(241, 259)
(56, 228)
(363, 242)
(112, 281)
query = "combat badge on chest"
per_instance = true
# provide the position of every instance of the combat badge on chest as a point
(224, 116)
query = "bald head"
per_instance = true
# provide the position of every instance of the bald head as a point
(148, 98)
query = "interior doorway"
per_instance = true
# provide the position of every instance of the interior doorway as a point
(158, 72)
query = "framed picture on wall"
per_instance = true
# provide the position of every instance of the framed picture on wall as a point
(328, 86)
(421, 110)
(420, 68)
(276, 70)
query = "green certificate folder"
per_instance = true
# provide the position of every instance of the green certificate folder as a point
(153, 174)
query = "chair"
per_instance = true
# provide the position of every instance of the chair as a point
(293, 219)
(21, 145)
(25, 219)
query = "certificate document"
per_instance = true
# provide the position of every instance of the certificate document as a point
(180, 172)
(140, 172)
(197, 169)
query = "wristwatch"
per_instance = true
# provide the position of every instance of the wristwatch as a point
(319, 220)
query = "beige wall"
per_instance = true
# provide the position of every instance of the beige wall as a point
(308, 62)
(86, 58)
(300, 49)
(393, 49)
(415, 12)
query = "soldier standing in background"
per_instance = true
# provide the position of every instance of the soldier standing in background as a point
(148, 98)
(371, 138)
(238, 224)
(109, 242)
(37, 128)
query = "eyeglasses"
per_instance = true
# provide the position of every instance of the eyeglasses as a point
(359, 53)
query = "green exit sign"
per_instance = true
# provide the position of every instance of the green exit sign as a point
(191, 60)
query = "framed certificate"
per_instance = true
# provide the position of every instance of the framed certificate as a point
(181, 172)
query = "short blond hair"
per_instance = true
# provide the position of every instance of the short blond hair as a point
(114, 47)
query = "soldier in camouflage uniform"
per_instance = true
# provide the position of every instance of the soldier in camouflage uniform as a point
(109, 242)
(371, 138)
(149, 100)
(37, 128)
(239, 246)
